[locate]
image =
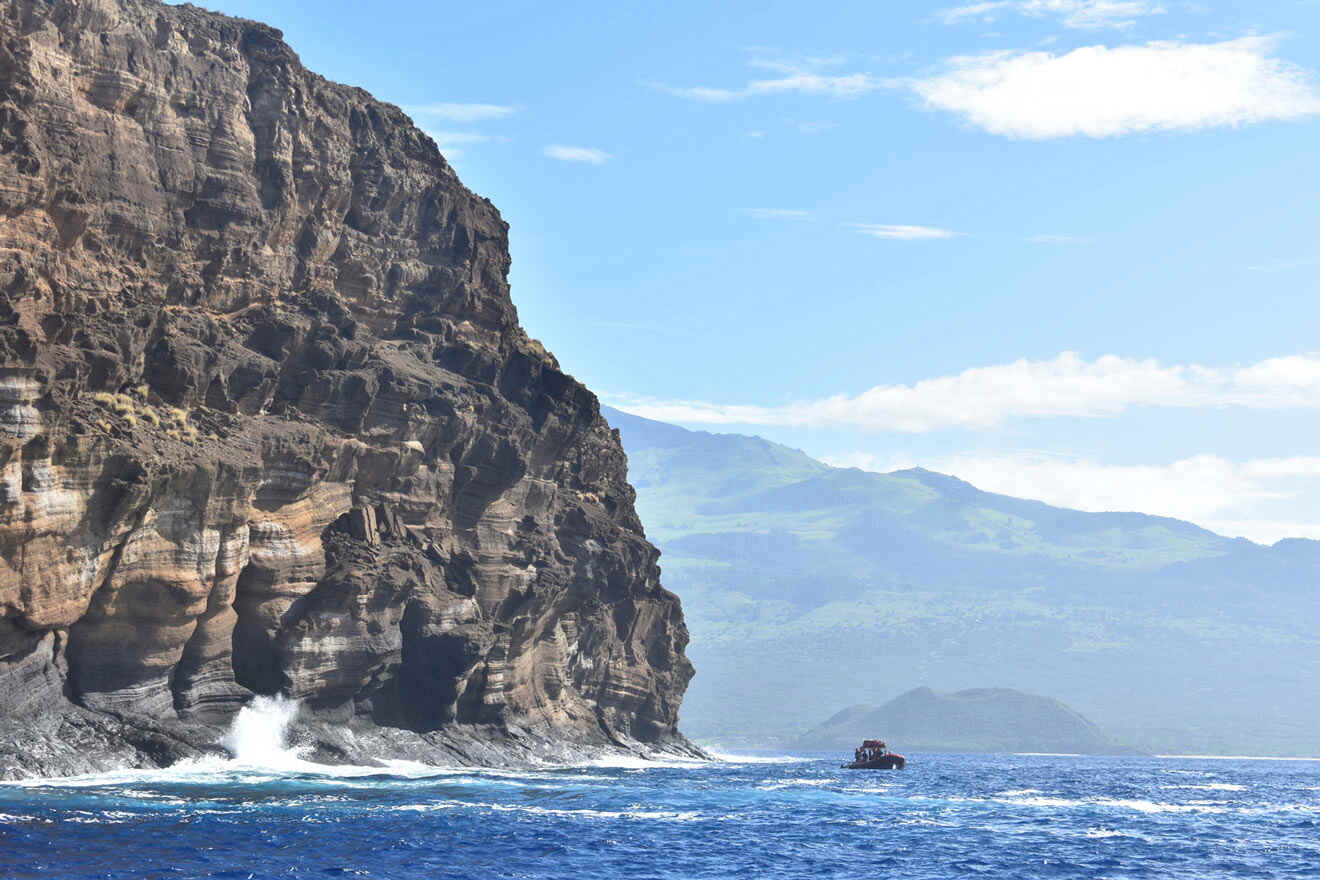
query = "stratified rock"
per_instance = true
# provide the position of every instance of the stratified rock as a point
(268, 422)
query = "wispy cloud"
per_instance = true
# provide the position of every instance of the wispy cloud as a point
(801, 76)
(462, 112)
(902, 232)
(451, 143)
(779, 214)
(814, 127)
(1070, 13)
(1096, 91)
(589, 155)
(1280, 265)
(1057, 238)
(1210, 490)
(462, 137)
(1066, 386)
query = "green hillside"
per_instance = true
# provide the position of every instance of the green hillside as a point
(791, 572)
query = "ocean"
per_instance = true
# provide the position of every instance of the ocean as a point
(270, 814)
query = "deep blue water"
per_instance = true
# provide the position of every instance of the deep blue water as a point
(945, 816)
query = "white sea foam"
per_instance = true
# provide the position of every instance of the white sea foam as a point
(776, 784)
(1209, 786)
(258, 741)
(734, 758)
(1144, 806)
(260, 751)
(259, 735)
(637, 762)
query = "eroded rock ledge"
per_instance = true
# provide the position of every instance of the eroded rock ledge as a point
(268, 423)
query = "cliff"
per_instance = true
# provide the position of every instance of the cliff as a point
(269, 424)
(978, 720)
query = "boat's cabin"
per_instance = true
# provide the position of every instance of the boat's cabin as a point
(870, 749)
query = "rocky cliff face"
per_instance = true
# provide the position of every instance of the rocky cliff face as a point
(268, 422)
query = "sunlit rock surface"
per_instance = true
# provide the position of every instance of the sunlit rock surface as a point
(268, 424)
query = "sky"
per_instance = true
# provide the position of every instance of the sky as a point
(1063, 249)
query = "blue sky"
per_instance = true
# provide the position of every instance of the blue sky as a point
(1066, 249)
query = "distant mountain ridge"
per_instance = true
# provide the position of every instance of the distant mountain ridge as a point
(1170, 636)
(974, 720)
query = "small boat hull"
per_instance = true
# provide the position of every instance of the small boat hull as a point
(884, 762)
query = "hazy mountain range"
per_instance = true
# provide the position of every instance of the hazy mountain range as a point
(975, 720)
(809, 588)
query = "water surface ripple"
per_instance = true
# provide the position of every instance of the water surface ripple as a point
(945, 816)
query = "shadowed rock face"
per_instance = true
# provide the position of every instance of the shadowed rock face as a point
(268, 422)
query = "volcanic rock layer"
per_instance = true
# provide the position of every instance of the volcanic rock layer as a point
(268, 422)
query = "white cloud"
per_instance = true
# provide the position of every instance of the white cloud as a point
(1096, 91)
(1276, 468)
(902, 233)
(1211, 491)
(461, 112)
(1071, 13)
(1262, 531)
(778, 214)
(1066, 386)
(590, 155)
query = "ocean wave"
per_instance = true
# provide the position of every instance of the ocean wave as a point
(1141, 805)
(564, 812)
(956, 814)
(1102, 833)
(1035, 801)
(220, 772)
(1035, 798)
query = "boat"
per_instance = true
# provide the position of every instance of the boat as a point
(873, 754)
